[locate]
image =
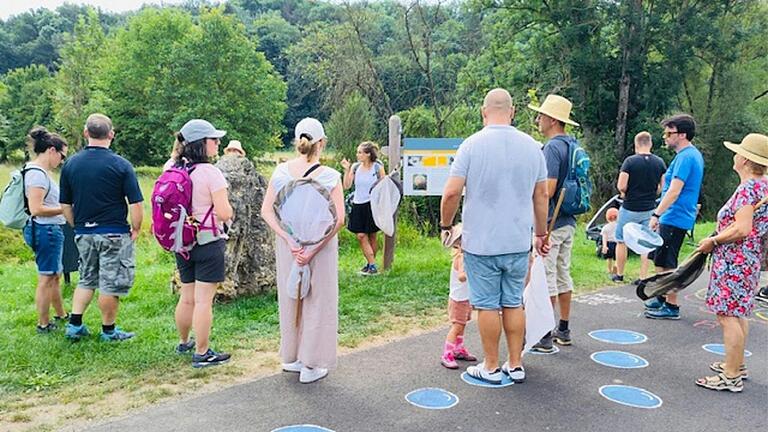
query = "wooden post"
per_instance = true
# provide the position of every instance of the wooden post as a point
(393, 154)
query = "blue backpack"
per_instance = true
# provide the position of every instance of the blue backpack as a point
(577, 185)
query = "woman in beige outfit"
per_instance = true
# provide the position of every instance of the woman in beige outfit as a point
(308, 348)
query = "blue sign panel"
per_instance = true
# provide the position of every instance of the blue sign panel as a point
(630, 396)
(619, 359)
(432, 143)
(432, 398)
(616, 336)
(720, 349)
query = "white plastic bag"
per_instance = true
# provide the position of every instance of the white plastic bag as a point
(385, 197)
(539, 316)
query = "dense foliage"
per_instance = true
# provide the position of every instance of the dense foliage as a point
(255, 67)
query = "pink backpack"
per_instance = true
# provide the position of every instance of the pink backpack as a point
(173, 225)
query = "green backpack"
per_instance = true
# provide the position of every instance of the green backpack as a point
(14, 209)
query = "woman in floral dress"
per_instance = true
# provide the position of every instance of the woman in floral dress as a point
(736, 251)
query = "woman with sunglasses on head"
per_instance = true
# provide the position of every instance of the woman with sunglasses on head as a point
(44, 232)
(204, 268)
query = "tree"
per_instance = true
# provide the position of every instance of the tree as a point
(77, 94)
(164, 70)
(350, 125)
(27, 103)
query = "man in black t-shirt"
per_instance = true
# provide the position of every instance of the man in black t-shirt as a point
(97, 187)
(640, 182)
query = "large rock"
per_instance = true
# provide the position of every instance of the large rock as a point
(250, 249)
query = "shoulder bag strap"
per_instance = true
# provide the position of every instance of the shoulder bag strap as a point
(311, 169)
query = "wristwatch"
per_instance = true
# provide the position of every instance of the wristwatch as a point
(446, 228)
(655, 215)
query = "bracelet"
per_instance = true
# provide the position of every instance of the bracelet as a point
(714, 241)
(541, 235)
(655, 215)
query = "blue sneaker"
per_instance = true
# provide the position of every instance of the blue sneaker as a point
(76, 332)
(116, 335)
(654, 303)
(664, 312)
(210, 358)
(372, 270)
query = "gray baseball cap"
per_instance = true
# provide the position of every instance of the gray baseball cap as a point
(198, 129)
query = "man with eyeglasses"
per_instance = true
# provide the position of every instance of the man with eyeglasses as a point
(98, 188)
(676, 213)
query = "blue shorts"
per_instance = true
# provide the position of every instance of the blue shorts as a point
(627, 216)
(496, 281)
(48, 247)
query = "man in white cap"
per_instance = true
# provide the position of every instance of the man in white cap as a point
(553, 115)
(504, 175)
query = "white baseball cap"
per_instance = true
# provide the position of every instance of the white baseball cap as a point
(310, 127)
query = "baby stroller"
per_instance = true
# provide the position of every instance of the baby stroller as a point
(598, 221)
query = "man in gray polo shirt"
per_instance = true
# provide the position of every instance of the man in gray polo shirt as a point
(504, 173)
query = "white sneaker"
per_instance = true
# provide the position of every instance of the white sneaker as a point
(293, 367)
(310, 375)
(479, 372)
(517, 375)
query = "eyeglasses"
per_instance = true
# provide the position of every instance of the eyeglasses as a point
(670, 133)
(218, 140)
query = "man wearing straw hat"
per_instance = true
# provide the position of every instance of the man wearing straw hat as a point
(676, 213)
(505, 174)
(553, 115)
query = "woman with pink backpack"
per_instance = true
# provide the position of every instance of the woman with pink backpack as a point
(201, 268)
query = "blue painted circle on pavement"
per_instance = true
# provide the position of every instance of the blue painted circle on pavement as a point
(617, 336)
(554, 351)
(630, 396)
(619, 359)
(302, 428)
(720, 349)
(432, 398)
(505, 381)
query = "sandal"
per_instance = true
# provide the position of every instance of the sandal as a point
(719, 367)
(721, 382)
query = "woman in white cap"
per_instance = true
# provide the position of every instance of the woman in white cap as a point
(203, 269)
(736, 248)
(307, 344)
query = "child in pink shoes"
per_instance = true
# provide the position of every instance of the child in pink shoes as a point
(459, 309)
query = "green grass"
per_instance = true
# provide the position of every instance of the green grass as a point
(50, 369)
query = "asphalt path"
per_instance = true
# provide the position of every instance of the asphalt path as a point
(367, 392)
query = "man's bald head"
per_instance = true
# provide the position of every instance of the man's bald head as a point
(497, 107)
(498, 99)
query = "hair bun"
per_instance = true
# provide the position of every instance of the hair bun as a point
(39, 133)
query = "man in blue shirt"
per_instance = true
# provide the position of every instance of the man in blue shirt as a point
(95, 185)
(676, 213)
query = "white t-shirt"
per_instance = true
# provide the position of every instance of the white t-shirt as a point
(501, 166)
(459, 291)
(364, 181)
(34, 178)
(609, 232)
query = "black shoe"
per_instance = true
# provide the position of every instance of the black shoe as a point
(617, 278)
(50, 327)
(210, 358)
(185, 348)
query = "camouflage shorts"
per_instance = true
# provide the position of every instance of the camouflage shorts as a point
(107, 263)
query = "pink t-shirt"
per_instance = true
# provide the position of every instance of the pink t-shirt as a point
(206, 179)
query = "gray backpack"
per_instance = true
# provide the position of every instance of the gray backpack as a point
(14, 208)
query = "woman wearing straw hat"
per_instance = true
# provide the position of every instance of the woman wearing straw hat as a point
(736, 248)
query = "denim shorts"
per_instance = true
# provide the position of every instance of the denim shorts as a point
(627, 216)
(496, 281)
(48, 247)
